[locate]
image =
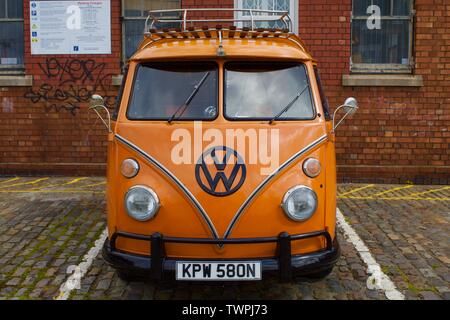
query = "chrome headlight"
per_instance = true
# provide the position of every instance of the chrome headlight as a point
(299, 203)
(141, 203)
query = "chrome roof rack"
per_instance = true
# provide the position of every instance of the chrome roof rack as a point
(188, 17)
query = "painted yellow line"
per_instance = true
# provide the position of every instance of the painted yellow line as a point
(354, 197)
(392, 190)
(417, 198)
(93, 185)
(357, 189)
(9, 180)
(429, 191)
(45, 187)
(394, 198)
(51, 191)
(75, 181)
(24, 183)
(67, 183)
(59, 184)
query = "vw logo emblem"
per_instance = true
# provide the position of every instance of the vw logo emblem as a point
(220, 171)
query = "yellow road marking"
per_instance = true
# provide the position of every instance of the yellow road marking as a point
(429, 191)
(357, 189)
(418, 198)
(51, 191)
(24, 183)
(75, 180)
(392, 190)
(59, 184)
(44, 187)
(10, 180)
(94, 184)
(394, 198)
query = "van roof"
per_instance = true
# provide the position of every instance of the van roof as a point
(216, 42)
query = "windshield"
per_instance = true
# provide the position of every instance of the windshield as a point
(187, 90)
(263, 90)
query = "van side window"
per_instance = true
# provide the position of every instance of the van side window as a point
(119, 95)
(323, 97)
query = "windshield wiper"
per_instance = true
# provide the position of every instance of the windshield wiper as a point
(184, 106)
(289, 105)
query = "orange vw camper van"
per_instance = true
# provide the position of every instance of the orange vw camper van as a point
(221, 155)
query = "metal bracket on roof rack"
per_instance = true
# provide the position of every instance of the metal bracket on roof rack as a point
(220, 50)
(182, 16)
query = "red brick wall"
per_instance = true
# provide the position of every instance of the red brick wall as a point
(46, 128)
(399, 134)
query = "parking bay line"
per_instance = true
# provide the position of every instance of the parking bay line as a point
(24, 183)
(377, 278)
(356, 190)
(417, 198)
(59, 184)
(9, 180)
(94, 184)
(429, 191)
(392, 190)
(75, 180)
(42, 188)
(50, 191)
(78, 272)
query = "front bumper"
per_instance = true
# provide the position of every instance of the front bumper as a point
(284, 262)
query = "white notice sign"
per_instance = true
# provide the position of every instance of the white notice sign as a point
(70, 27)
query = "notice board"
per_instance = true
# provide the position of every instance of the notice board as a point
(70, 27)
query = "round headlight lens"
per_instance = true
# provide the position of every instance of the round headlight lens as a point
(141, 203)
(311, 167)
(129, 168)
(299, 203)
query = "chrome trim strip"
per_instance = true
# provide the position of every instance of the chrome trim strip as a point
(258, 189)
(172, 177)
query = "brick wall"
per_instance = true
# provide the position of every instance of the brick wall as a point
(46, 128)
(399, 134)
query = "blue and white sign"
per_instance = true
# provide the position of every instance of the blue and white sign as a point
(70, 27)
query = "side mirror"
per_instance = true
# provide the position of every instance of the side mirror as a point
(350, 106)
(97, 103)
(97, 100)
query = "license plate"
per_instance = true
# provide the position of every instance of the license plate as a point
(218, 271)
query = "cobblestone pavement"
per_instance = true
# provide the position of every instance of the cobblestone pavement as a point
(408, 232)
(48, 224)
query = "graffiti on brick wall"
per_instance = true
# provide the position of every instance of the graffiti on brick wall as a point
(70, 82)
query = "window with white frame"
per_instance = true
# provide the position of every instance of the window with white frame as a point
(11, 35)
(134, 13)
(382, 36)
(277, 5)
